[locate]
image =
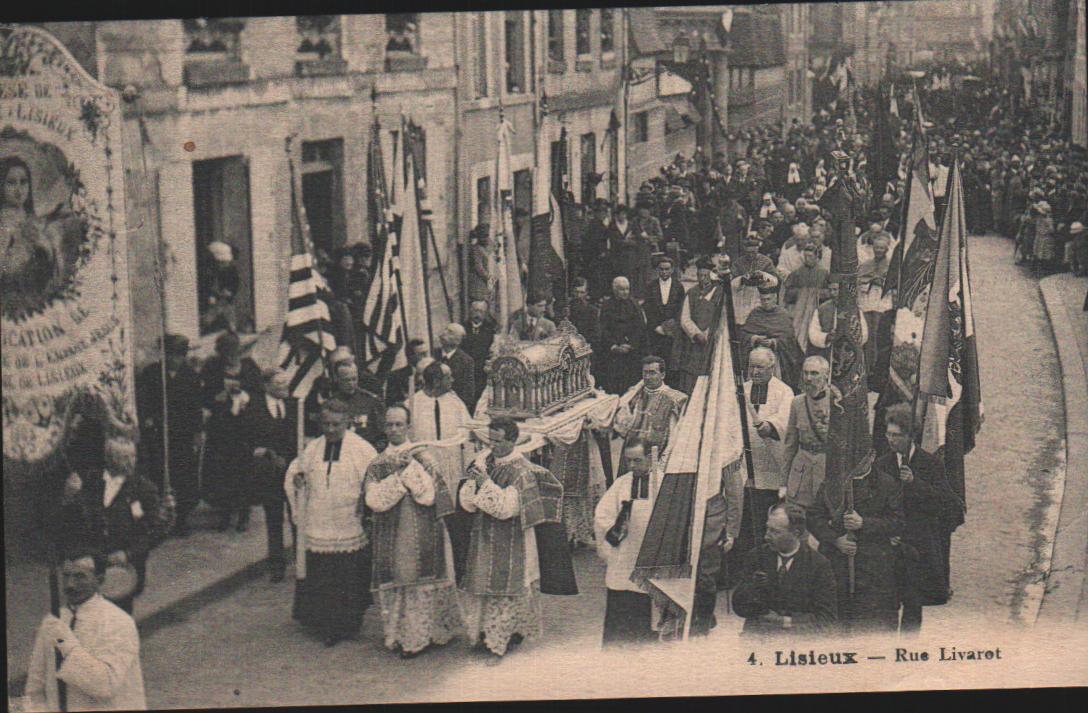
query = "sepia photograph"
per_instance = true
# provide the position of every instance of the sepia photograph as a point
(503, 353)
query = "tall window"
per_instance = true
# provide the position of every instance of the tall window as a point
(581, 30)
(608, 30)
(589, 167)
(558, 165)
(481, 54)
(515, 52)
(402, 32)
(221, 214)
(555, 35)
(323, 192)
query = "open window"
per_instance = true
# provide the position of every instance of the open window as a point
(318, 51)
(402, 43)
(213, 51)
(221, 213)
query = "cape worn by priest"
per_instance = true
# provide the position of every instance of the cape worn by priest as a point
(518, 548)
(413, 560)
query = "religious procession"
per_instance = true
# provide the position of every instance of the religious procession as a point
(731, 392)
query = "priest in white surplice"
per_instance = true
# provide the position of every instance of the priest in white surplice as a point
(438, 414)
(98, 644)
(768, 400)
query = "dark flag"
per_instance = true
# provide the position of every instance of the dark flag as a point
(948, 378)
(848, 437)
(883, 162)
(547, 269)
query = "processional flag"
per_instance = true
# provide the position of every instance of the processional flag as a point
(883, 159)
(705, 450)
(948, 377)
(547, 267)
(509, 295)
(307, 331)
(413, 289)
(910, 274)
(383, 313)
(848, 437)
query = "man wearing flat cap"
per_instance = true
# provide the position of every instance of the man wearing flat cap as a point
(176, 429)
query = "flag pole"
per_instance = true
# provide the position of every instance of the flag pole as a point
(738, 378)
(54, 608)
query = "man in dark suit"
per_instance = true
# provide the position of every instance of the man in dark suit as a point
(594, 249)
(272, 436)
(863, 534)
(397, 387)
(479, 336)
(786, 585)
(530, 324)
(664, 300)
(460, 362)
(185, 423)
(921, 570)
(112, 510)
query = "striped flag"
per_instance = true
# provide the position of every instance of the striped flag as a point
(948, 377)
(383, 316)
(705, 453)
(307, 331)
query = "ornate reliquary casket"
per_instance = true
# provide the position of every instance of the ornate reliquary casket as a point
(535, 379)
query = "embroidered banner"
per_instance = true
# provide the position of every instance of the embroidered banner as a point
(64, 288)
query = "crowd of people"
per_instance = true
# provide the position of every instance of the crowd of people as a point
(386, 509)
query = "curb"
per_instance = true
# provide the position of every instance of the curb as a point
(1065, 582)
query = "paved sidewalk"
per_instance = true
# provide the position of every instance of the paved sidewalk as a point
(183, 574)
(1066, 596)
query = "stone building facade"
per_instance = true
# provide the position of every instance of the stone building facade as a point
(205, 143)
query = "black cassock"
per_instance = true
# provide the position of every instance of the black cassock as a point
(622, 322)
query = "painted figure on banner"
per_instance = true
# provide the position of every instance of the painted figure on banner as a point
(41, 248)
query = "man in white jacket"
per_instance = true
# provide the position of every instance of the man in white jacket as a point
(98, 644)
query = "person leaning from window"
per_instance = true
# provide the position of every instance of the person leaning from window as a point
(222, 286)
